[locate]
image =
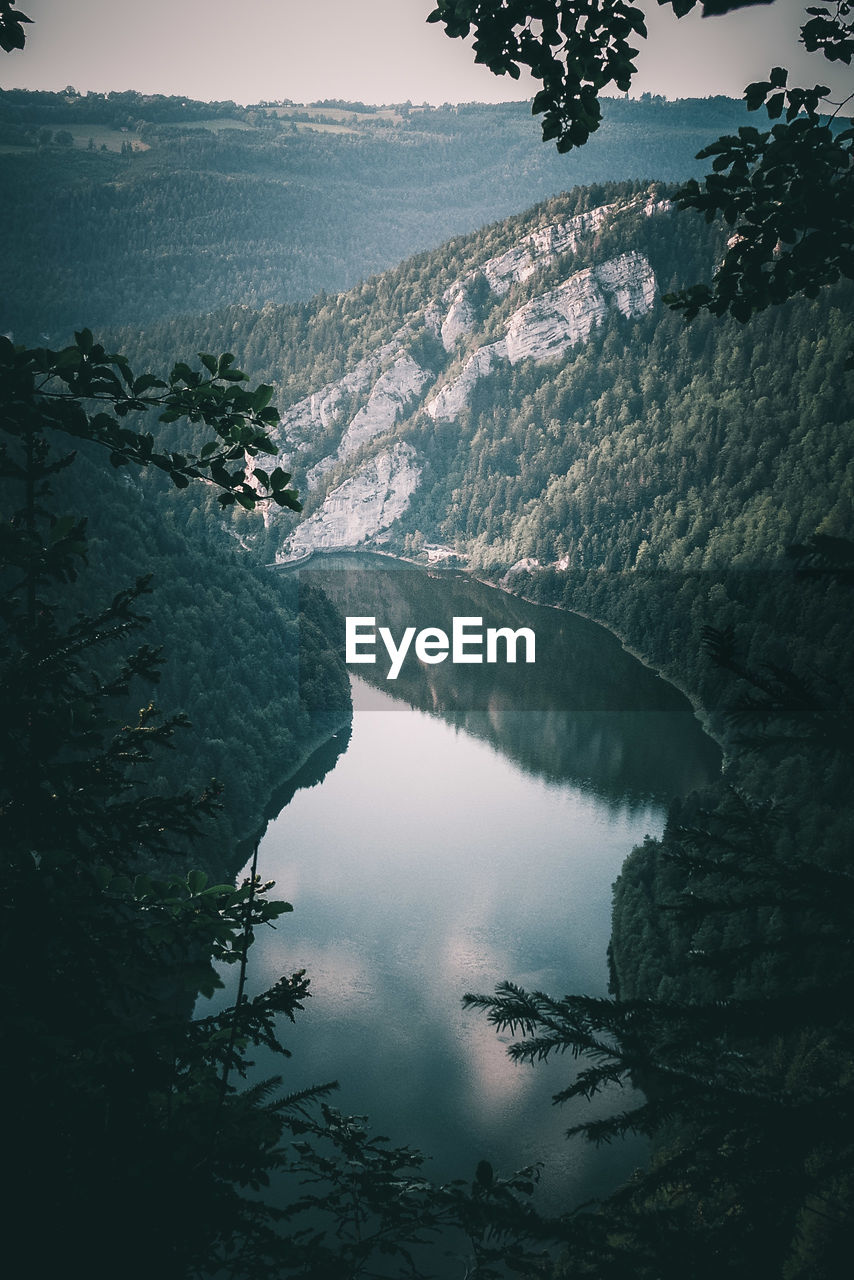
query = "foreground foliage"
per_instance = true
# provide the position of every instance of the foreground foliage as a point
(731, 969)
(787, 191)
(133, 1131)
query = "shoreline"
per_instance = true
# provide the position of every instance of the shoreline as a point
(316, 743)
(322, 739)
(700, 712)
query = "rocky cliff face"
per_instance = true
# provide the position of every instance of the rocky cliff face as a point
(392, 393)
(546, 328)
(460, 319)
(390, 387)
(324, 408)
(453, 397)
(364, 506)
(530, 254)
(537, 250)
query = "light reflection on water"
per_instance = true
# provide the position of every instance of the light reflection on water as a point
(427, 864)
(462, 839)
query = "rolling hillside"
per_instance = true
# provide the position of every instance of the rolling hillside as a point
(125, 209)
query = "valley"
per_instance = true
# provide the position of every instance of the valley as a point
(479, 385)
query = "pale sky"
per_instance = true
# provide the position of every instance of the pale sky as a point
(369, 50)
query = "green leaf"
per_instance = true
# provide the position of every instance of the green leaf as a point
(196, 881)
(287, 498)
(61, 528)
(181, 372)
(68, 359)
(145, 382)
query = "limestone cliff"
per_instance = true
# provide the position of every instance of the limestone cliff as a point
(363, 506)
(547, 327)
(537, 250)
(386, 390)
(392, 393)
(530, 254)
(454, 396)
(327, 406)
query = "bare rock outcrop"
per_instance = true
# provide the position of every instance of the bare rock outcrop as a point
(363, 506)
(323, 408)
(541, 247)
(392, 393)
(527, 256)
(451, 398)
(549, 326)
(459, 320)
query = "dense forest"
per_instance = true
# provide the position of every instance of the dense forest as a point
(123, 209)
(262, 694)
(659, 478)
(652, 453)
(691, 487)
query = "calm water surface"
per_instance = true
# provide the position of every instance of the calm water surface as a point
(463, 838)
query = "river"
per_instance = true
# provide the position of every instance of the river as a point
(468, 831)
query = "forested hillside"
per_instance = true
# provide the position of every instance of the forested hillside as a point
(252, 660)
(638, 454)
(124, 208)
(523, 402)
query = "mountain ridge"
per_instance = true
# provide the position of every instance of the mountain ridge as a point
(182, 207)
(651, 452)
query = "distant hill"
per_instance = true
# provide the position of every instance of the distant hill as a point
(127, 208)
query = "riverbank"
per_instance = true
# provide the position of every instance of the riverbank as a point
(331, 740)
(700, 712)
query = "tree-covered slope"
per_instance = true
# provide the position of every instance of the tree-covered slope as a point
(523, 397)
(125, 208)
(250, 658)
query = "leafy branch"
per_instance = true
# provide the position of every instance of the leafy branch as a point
(88, 394)
(787, 192)
(12, 35)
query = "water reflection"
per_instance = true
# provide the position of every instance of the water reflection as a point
(603, 721)
(427, 865)
(465, 837)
